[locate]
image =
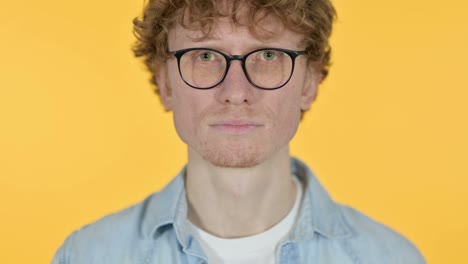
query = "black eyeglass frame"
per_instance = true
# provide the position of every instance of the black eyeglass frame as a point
(291, 53)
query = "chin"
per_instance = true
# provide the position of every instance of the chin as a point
(234, 162)
(234, 157)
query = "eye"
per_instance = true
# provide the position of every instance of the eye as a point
(206, 56)
(269, 55)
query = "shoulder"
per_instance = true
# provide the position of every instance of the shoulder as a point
(111, 237)
(377, 241)
(126, 222)
(127, 236)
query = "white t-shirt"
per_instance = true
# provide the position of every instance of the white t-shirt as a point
(259, 249)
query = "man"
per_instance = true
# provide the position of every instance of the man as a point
(237, 76)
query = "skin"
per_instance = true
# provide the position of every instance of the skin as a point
(238, 179)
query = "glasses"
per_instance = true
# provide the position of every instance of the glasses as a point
(204, 68)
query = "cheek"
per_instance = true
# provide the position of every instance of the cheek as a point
(182, 110)
(188, 111)
(287, 113)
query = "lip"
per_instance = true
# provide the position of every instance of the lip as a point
(236, 126)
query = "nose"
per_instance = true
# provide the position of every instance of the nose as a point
(235, 89)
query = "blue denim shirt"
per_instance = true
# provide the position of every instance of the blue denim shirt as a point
(156, 231)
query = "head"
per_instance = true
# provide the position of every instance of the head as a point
(236, 124)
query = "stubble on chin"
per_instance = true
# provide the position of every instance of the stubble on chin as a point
(232, 156)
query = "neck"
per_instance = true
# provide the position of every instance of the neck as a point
(239, 202)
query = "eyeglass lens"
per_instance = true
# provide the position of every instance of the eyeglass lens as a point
(265, 68)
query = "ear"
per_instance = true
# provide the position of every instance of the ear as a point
(312, 81)
(165, 92)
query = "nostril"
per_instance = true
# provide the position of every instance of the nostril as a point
(228, 101)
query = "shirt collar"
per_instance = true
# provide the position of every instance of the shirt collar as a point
(168, 209)
(318, 212)
(161, 208)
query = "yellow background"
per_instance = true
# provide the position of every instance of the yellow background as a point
(82, 135)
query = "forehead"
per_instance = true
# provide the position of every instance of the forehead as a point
(267, 32)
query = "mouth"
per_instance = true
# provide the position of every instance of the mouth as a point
(236, 127)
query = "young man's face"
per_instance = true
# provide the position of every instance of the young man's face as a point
(236, 124)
